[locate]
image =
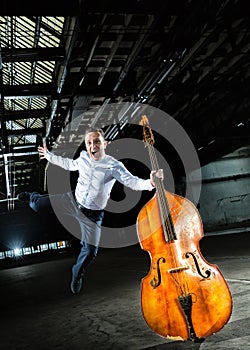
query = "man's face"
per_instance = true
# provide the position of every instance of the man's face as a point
(95, 145)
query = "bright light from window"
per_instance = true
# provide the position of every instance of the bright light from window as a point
(17, 251)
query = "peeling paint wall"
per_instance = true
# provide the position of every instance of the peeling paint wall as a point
(225, 194)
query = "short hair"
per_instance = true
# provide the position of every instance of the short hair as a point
(94, 129)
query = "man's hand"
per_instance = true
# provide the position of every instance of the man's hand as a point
(156, 173)
(43, 150)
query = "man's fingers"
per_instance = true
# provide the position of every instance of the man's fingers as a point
(42, 151)
(158, 173)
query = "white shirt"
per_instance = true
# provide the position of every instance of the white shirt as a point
(96, 178)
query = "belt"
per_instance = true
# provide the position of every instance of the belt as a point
(93, 215)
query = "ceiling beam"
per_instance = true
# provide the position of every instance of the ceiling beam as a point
(27, 114)
(135, 7)
(42, 8)
(32, 54)
(29, 90)
(26, 131)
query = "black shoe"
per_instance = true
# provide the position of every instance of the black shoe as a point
(24, 197)
(76, 284)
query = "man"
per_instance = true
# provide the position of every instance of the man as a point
(97, 175)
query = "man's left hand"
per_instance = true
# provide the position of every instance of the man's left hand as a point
(156, 173)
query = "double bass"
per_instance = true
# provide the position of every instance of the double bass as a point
(183, 297)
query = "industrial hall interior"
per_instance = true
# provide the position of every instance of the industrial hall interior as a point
(153, 94)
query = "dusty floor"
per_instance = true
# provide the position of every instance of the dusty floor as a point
(38, 310)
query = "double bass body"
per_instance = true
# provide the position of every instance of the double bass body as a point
(183, 296)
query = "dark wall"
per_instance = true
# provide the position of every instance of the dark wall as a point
(23, 227)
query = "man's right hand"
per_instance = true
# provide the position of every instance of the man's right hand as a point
(42, 150)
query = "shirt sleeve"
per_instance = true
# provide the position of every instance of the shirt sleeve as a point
(122, 175)
(63, 162)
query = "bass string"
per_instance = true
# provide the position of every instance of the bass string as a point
(164, 210)
(167, 223)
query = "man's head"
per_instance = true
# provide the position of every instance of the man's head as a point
(95, 143)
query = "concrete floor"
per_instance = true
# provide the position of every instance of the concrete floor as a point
(38, 310)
